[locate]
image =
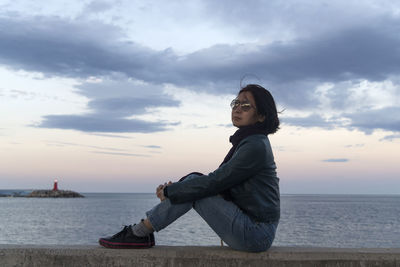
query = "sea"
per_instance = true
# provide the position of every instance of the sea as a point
(341, 221)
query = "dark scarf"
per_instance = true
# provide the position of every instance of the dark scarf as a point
(241, 134)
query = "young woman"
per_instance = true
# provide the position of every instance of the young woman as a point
(240, 200)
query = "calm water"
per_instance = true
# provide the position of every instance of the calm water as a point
(306, 220)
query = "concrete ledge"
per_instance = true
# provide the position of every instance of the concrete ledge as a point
(32, 256)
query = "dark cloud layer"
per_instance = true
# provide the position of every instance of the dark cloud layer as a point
(69, 48)
(60, 47)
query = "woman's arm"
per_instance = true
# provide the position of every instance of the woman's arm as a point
(248, 159)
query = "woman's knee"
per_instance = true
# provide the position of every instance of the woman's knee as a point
(206, 202)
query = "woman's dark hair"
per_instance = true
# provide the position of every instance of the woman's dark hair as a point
(265, 105)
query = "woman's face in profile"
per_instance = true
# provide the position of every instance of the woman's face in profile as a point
(244, 111)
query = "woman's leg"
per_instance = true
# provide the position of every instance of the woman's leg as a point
(228, 221)
(233, 226)
(164, 213)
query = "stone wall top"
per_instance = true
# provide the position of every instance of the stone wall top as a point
(27, 255)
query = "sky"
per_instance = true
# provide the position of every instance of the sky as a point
(121, 96)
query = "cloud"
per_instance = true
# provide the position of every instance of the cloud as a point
(57, 143)
(98, 6)
(123, 106)
(120, 154)
(228, 125)
(336, 160)
(153, 146)
(313, 120)
(289, 20)
(390, 137)
(113, 104)
(111, 135)
(387, 119)
(88, 123)
(99, 149)
(355, 146)
(365, 120)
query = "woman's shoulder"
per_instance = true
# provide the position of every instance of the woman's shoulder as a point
(254, 146)
(256, 141)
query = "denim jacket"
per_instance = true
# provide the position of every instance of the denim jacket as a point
(249, 176)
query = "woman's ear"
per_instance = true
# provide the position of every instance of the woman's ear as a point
(261, 118)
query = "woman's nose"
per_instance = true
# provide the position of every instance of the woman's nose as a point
(237, 109)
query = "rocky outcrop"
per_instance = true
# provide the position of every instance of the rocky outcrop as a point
(14, 193)
(54, 193)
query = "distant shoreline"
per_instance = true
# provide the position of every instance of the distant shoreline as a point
(14, 192)
(40, 193)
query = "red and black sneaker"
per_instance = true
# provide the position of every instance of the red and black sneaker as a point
(126, 239)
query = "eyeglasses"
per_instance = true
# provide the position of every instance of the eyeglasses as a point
(244, 106)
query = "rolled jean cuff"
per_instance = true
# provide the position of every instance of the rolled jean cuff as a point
(153, 221)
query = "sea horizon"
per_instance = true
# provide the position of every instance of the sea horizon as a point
(282, 194)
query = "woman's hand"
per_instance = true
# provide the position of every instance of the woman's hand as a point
(160, 190)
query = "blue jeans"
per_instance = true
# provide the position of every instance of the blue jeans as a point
(229, 222)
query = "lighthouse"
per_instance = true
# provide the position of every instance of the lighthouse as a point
(55, 187)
